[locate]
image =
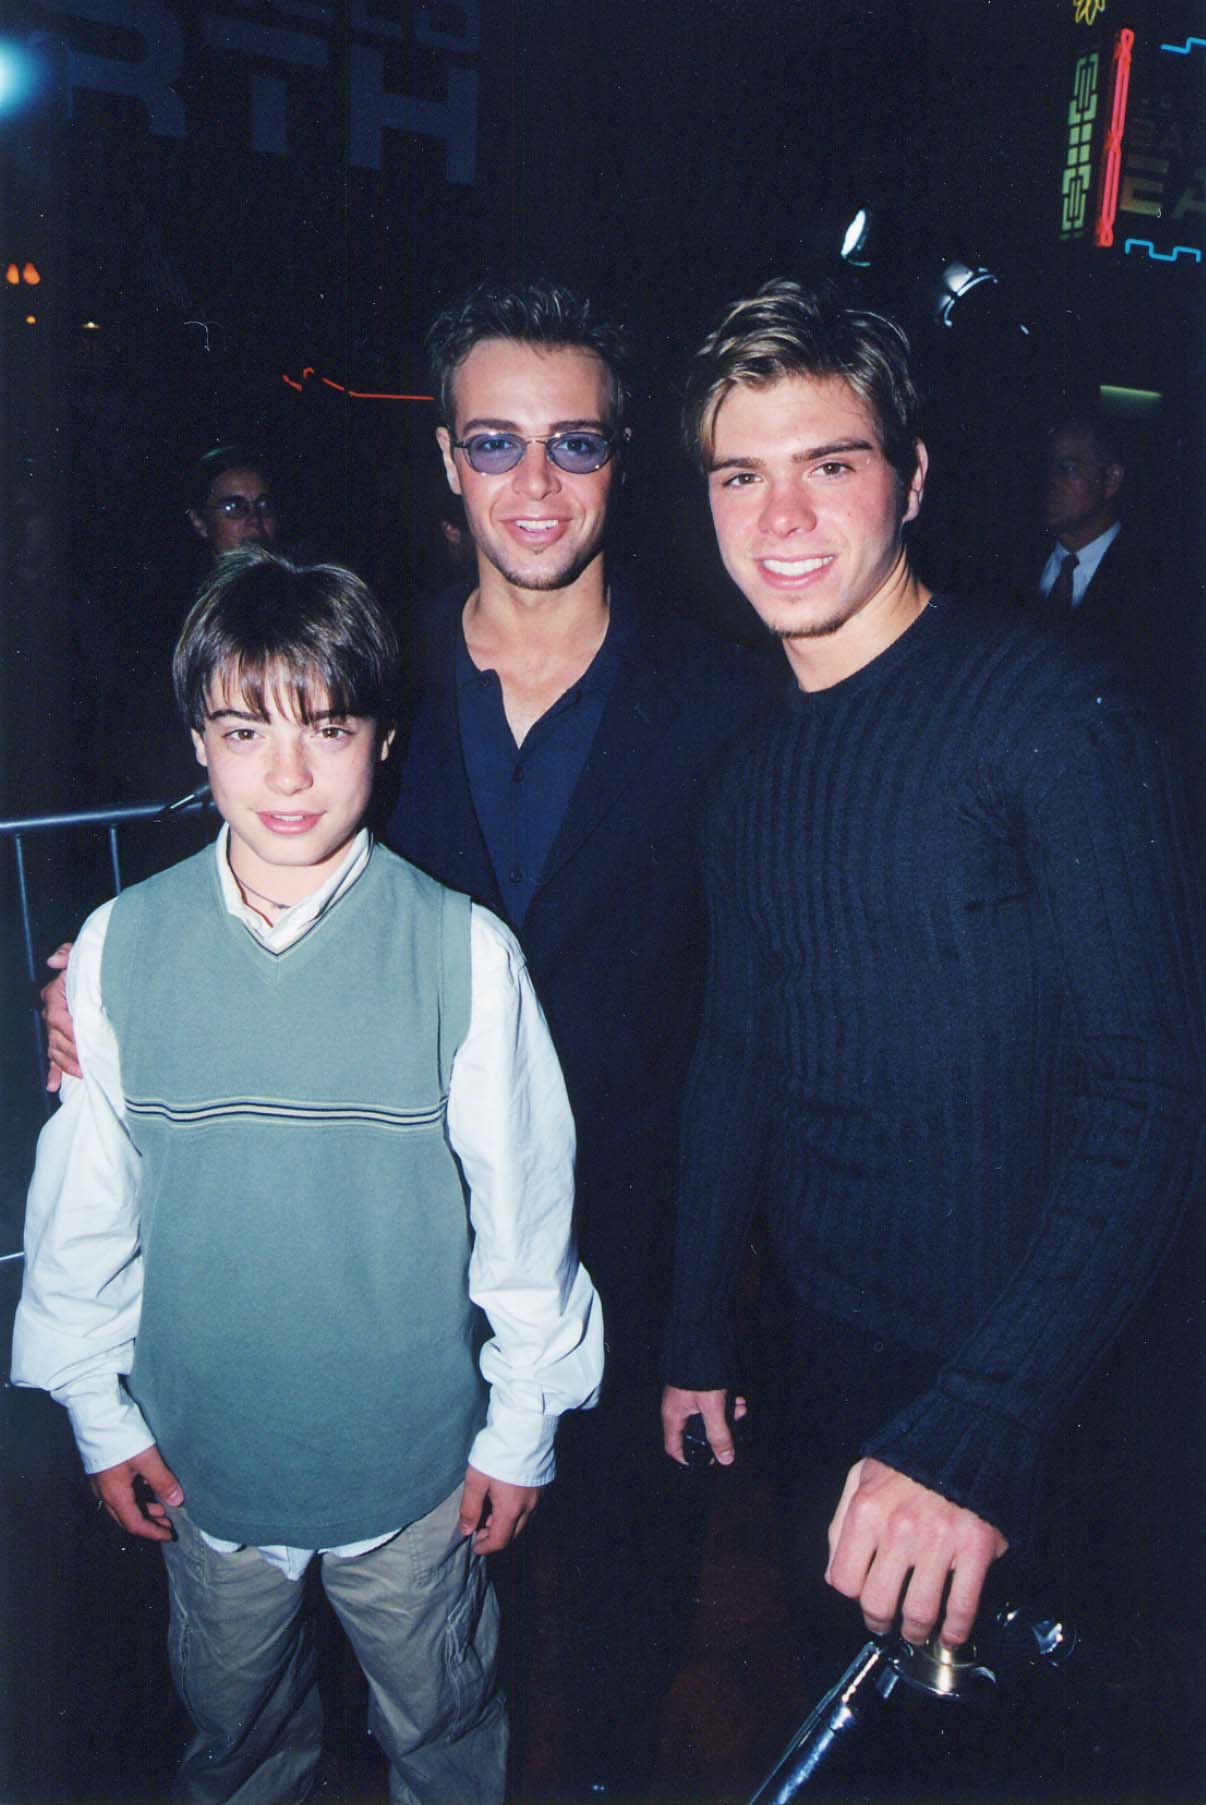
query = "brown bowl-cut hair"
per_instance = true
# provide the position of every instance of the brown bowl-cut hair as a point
(308, 638)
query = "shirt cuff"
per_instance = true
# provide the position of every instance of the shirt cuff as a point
(515, 1446)
(107, 1424)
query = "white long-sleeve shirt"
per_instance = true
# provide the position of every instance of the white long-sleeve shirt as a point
(508, 1123)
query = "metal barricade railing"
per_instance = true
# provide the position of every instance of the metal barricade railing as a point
(110, 820)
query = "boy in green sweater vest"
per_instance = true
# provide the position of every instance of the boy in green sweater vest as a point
(320, 1133)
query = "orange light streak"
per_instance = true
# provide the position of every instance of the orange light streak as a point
(1111, 159)
(342, 389)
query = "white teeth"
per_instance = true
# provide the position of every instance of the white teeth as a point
(537, 526)
(797, 567)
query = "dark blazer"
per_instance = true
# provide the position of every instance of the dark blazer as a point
(615, 934)
(1140, 613)
(1111, 600)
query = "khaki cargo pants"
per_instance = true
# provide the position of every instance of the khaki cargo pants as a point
(423, 1621)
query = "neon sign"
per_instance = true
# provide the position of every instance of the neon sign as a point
(1078, 166)
(1111, 161)
(1185, 48)
(1087, 11)
(1178, 250)
(342, 389)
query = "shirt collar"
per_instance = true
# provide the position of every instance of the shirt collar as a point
(301, 917)
(1089, 556)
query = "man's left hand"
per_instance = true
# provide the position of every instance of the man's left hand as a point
(494, 1512)
(893, 1545)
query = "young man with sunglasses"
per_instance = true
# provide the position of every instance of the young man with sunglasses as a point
(949, 1029)
(555, 769)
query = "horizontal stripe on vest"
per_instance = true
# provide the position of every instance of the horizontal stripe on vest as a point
(270, 1109)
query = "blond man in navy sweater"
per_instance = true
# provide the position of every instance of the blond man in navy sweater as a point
(950, 1021)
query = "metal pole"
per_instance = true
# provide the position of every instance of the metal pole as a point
(30, 971)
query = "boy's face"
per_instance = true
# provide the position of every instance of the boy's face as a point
(292, 794)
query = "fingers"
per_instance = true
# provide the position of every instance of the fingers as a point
(115, 1489)
(62, 1049)
(473, 1502)
(897, 1547)
(493, 1511)
(159, 1476)
(675, 1411)
(720, 1437)
(136, 1492)
(501, 1528)
(678, 1405)
(60, 1034)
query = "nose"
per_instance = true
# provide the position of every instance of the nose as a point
(535, 473)
(289, 771)
(787, 510)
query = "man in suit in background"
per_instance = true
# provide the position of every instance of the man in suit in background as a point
(1096, 580)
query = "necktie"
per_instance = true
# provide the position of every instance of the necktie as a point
(1060, 598)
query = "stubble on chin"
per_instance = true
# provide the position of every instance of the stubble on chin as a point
(814, 630)
(541, 580)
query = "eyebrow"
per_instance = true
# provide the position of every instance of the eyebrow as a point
(490, 425)
(810, 456)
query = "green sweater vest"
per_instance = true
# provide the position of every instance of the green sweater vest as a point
(306, 1356)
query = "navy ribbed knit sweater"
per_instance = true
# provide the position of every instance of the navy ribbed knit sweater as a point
(949, 1034)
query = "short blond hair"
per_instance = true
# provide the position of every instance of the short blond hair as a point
(788, 330)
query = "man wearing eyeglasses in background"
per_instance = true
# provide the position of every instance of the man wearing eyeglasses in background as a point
(230, 501)
(555, 772)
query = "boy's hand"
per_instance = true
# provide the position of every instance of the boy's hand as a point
(60, 1034)
(135, 1491)
(494, 1512)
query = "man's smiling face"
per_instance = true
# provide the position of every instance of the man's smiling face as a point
(807, 509)
(539, 527)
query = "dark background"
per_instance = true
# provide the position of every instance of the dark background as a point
(666, 155)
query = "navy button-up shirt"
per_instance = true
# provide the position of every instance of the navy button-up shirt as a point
(521, 793)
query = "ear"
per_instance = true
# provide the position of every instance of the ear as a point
(444, 441)
(199, 526)
(916, 489)
(199, 747)
(1114, 476)
(387, 740)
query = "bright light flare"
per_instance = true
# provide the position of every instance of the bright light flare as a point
(17, 71)
(856, 233)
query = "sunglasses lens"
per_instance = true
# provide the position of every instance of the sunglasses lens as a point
(580, 452)
(490, 453)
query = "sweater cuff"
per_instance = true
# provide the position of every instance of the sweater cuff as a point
(987, 1464)
(698, 1357)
